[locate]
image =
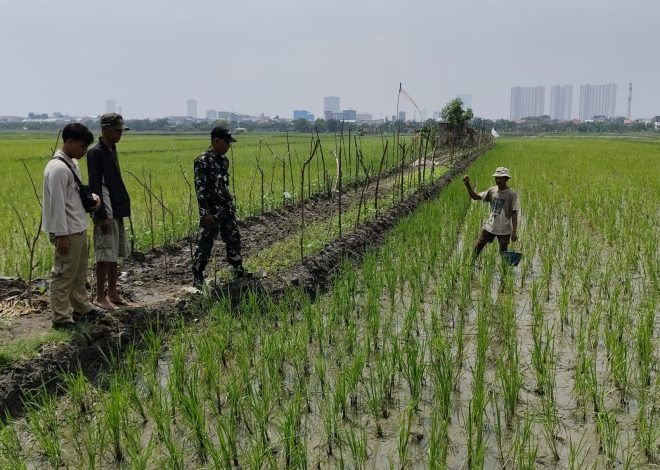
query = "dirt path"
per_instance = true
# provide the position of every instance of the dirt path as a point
(165, 301)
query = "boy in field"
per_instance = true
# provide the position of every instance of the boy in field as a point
(503, 220)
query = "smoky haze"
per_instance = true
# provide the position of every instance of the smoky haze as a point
(258, 56)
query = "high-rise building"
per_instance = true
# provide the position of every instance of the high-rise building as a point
(402, 116)
(527, 101)
(192, 108)
(211, 114)
(302, 114)
(597, 100)
(349, 115)
(111, 106)
(466, 98)
(561, 102)
(331, 104)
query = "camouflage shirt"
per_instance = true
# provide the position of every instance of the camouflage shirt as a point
(212, 184)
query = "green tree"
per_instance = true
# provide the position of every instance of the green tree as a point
(457, 120)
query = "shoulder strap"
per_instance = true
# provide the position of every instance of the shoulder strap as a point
(75, 176)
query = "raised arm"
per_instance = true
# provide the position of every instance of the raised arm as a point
(473, 195)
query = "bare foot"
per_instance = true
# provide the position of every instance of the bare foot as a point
(105, 304)
(119, 300)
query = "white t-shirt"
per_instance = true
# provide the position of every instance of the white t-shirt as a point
(502, 204)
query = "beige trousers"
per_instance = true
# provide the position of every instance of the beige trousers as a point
(68, 290)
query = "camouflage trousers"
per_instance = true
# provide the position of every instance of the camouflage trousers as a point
(225, 225)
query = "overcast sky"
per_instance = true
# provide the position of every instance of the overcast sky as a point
(255, 56)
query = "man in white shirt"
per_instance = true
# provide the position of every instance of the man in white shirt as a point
(65, 220)
(503, 219)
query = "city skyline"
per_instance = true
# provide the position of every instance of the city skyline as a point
(561, 102)
(381, 46)
(527, 101)
(597, 100)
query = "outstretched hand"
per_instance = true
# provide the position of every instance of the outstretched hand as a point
(466, 179)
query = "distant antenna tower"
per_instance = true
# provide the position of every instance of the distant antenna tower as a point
(629, 99)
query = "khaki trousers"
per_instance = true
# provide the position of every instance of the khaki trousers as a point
(68, 290)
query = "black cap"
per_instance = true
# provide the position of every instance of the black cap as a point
(219, 132)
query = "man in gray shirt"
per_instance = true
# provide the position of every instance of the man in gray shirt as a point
(503, 219)
(65, 220)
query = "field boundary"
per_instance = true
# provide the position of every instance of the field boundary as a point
(110, 336)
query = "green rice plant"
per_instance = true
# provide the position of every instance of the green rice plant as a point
(644, 342)
(438, 441)
(192, 407)
(648, 429)
(79, 390)
(353, 376)
(93, 442)
(608, 433)
(291, 430)
(320, 372)
(211, 374)
(42, 422)
(159, 407)
(358, 444)
(550, 425)
(339, 397)
(376, 393)
(525, 448)
(617, 347)
(414, 367)
(511, 380)
(153, 345)
(261, 400)
(329, 422)
(10, 447)
(577, 454)
(403, 442)
(227, 441)
(441, 369)
(114, 414)
(138, 456)
(477, 407)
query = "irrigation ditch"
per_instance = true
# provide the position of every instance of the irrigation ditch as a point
(167, 268)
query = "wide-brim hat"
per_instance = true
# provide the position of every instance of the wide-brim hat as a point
(501, 171)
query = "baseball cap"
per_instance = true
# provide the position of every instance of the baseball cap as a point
(219, 132)
(114, 120)
(501, 171)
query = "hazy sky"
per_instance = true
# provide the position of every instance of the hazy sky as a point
(268, 56)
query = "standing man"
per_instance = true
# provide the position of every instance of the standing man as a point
(109, 233)
(65, 221)
(503, 220)
(216, 207)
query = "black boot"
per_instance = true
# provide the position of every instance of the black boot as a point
(240, 272)
(198, 279)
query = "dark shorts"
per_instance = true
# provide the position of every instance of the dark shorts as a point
(487, 237)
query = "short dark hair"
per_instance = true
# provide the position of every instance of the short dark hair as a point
(77, 131)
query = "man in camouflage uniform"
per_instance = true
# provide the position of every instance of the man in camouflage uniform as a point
(216, 207)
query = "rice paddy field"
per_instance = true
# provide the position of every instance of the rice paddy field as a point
(418, 357)
(158, 171)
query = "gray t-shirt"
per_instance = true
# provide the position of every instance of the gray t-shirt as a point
(502, 204)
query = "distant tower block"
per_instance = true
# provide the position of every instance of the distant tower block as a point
(629, 99)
